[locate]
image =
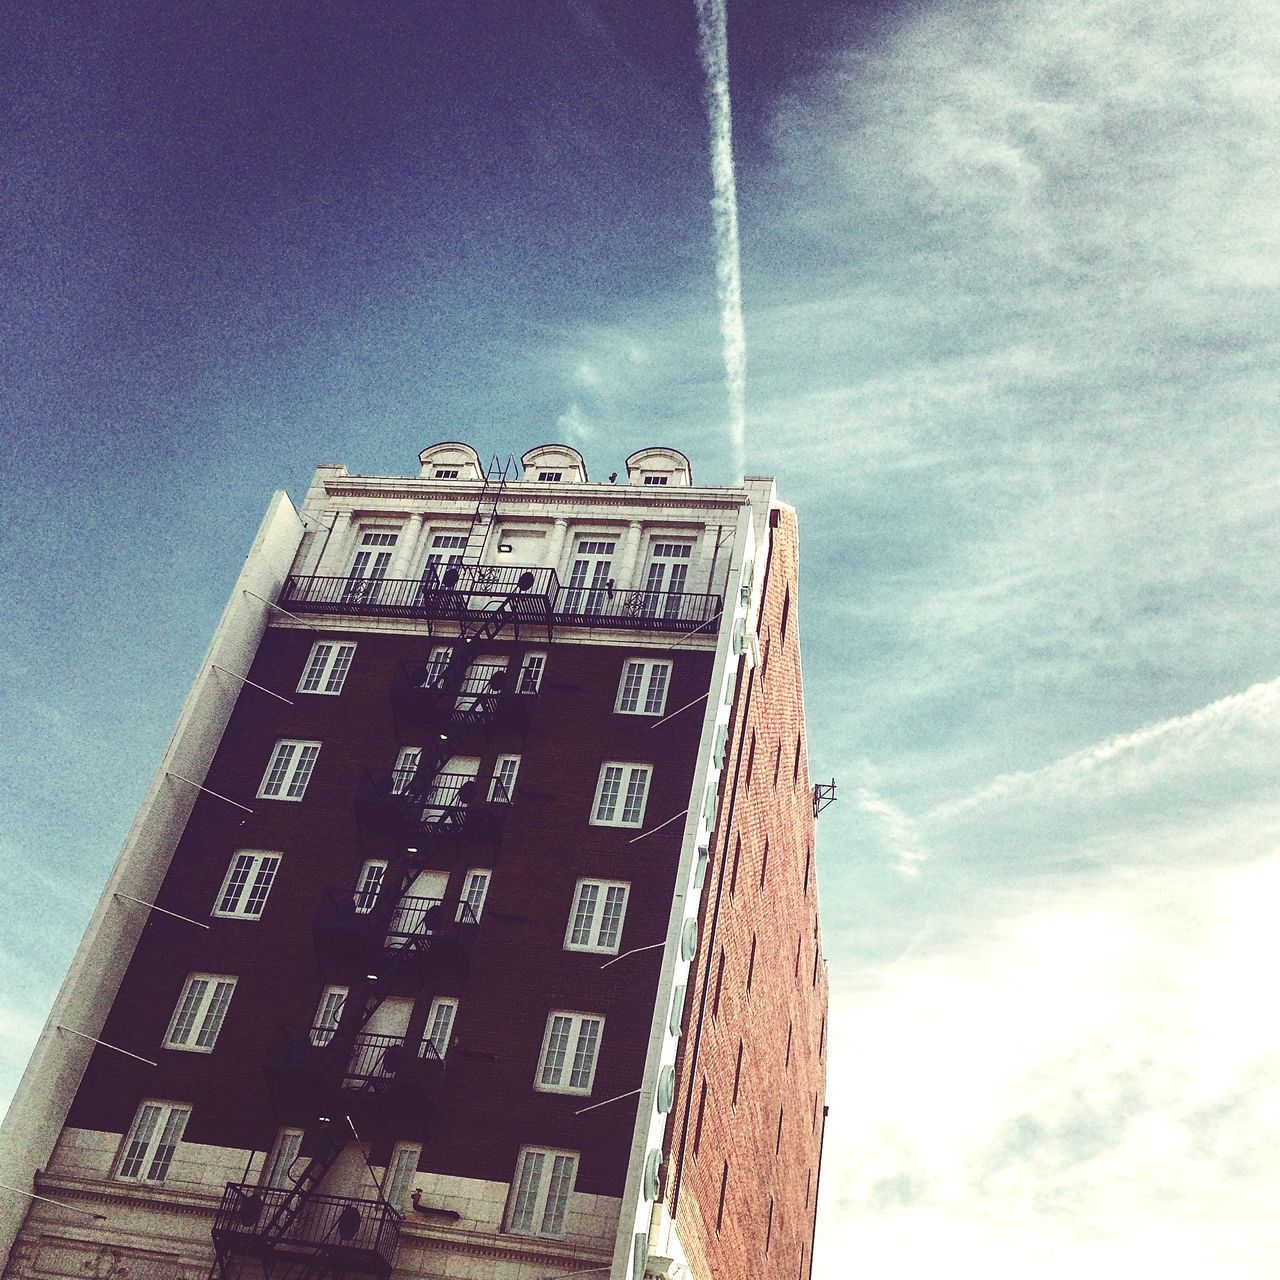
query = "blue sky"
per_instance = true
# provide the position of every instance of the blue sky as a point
(1010, 287)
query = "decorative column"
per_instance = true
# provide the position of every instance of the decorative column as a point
(626, 566)
(406, 556)
(555, 547)
(335, 557)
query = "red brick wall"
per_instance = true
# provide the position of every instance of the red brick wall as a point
(729, 1161)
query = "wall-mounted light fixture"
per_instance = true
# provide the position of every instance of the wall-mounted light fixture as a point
(505, 546)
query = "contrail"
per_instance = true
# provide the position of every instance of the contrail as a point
(1172, 740)
(713, 53)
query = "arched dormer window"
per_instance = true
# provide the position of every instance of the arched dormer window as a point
(658, 467)
(554, 464)
(450, 460)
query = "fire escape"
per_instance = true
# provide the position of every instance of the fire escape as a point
(341, 1079)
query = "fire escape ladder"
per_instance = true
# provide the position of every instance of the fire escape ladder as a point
(333, 1138)
(495, 481)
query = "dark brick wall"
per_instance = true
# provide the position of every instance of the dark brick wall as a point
(485, 1106)
(742, 1163)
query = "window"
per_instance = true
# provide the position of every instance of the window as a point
(249, 879)
(405, 768)
(777, 1140)
(326, 668)
(328, 1014)
(777, 762)
(502, 786)
(715, 1000)
(595, 923)
(550, 477)
(724, 1186)
(198, 1016)
(702, 1111)
(751, 757)
(531, 668)
(808, 866)
(289, 770)
(275, 1172)
(435, 1040)
(665, 578)
(569, 1048)
(786, 616)
(737, 1076)
(371, 559)
(795, 763)
(445, 473)
(590, 586)
(620, 795)
(474, 891)
(437, 665)
(400, 1170)
(733, 874)
(764, 863)
(655, 479)
(444, 549)
(153, 1137)
(768, 1231)
(751, 964)
(643, 688)
(540, 1191)
(787, 1063)
(369, 885)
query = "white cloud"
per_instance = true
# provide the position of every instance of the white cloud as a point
(1075, 1085)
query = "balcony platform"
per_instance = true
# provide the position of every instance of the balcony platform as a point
(480, 597)
(343, 1235)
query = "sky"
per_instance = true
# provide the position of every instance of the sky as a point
(1009, 294)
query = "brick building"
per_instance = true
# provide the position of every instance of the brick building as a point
(469, 925)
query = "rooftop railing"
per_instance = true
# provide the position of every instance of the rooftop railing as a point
(472, 593)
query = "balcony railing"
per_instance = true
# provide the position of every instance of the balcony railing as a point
(448, 804)
(349, 1235)
(473, 593)
(353, 930)
(639, 610)
(324, 1067)
(488, 695)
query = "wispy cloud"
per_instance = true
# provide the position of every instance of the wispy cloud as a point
(713, 52)
(1130, 761)
(900, 832)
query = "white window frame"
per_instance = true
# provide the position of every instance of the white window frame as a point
(275, 1170)
(446, 473)
(326, 667)
(570, 1048)
(250, 875)
(438, 1030)
(530, 678)
(152, 1141)
(200, 1012)
(288, 772)
(539, 1200)
(588, 910)
(402, 1168)
(364, 897)
(610, 806)
(654, 477)
(502, 785)
(324, 1022)
(470, 897)
(550, 477)
(637, 694)
(446, 548)
(436, 665)
(405, 768)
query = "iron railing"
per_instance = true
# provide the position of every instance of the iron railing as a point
(471, 593)
(489, 694)
(446, 804)
(347, 1233)
(353, 930)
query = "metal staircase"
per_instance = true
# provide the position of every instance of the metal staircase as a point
(496, 479)
(264, 1223)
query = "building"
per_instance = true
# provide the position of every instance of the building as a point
(469, 925)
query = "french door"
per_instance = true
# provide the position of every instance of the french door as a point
(589, 576)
